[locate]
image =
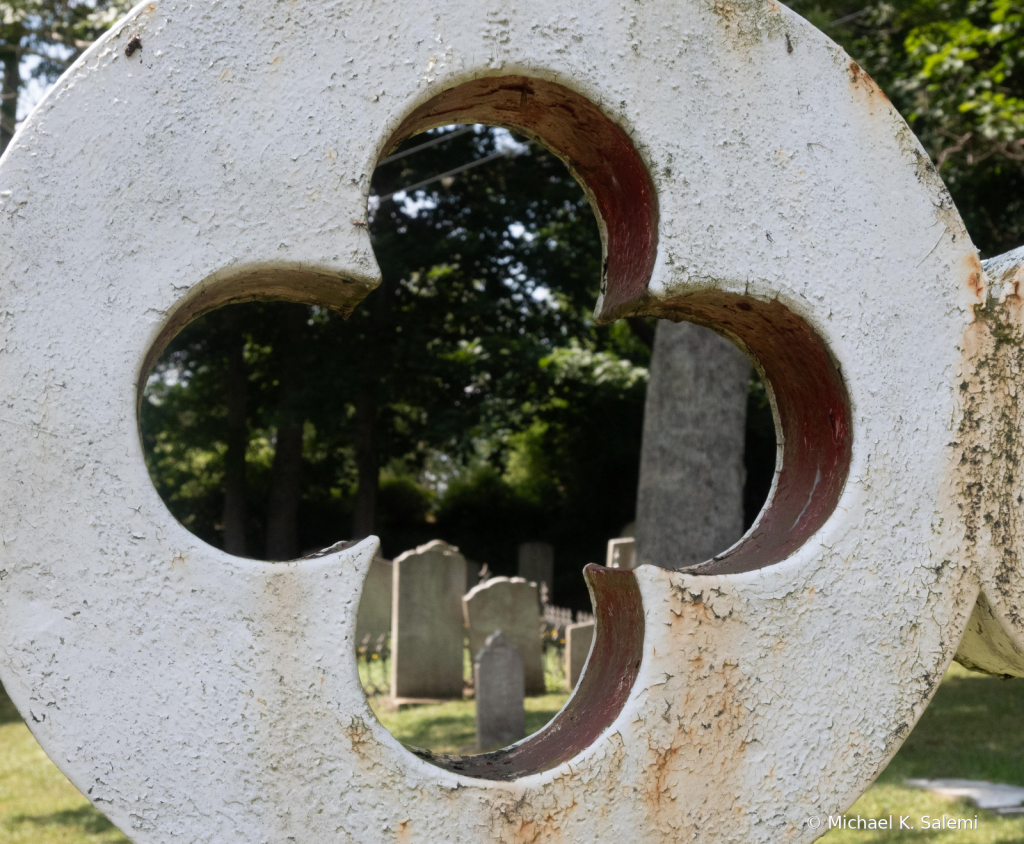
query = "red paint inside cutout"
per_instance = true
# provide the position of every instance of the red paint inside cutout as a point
(811, 399)
(596, 150)
(814, 415)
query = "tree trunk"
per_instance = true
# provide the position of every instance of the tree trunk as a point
(9, 96)
(236, 396)
(367, 461)
(286, 471)
(690, 498)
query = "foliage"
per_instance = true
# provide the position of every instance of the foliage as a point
(955, 70)
(500, 412)
(47, 35)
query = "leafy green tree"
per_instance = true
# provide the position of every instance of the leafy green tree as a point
(955, 70)
(486, 278)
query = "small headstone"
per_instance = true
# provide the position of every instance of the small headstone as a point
(578, 639)
(426, 622)
(537, 563)
(498, 685)
(508, 604)
(373, 618)
(621, 554)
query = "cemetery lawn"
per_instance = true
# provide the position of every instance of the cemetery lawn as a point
(973, 729)
(37, 803)
(451, 727)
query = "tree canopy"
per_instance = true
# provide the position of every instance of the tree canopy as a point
(955, 70)
(471, 396)
(40, 39)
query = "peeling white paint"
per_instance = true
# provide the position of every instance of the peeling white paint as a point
(198, 697)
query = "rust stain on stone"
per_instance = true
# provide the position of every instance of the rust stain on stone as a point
(988, 455)
(976, 277)
(861, 80)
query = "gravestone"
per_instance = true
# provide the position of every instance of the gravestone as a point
(498, 689)
(508, 604)
(426, 622)
(689, 502)
(373, 618)
(621, 554)
(578, 639)
(537, 563)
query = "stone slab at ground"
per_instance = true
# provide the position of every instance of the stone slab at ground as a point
(374, 616)
(498, 685)
(998, 797)
(426, 622)
(578, 639)
(509, 604)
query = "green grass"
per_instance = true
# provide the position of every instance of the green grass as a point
(973, 729)
(451, 727)
(37, 803)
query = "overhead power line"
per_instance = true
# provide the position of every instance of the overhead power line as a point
(445, 175)
(440, 139)
(846, 18)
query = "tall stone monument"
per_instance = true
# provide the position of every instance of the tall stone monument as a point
(426, 622)
(510, 605)
(498, 690)
(578, 639)
(537, 563)
(689, 504)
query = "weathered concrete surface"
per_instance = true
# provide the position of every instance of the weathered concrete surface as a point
(990, 472)
(748, 175)
(511, 605)
(426, 622)
(689, 503)
(498, 684)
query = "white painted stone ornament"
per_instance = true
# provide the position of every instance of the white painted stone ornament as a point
(747, 176)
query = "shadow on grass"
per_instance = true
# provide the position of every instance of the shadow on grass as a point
(8, 713)
(971, 730)
(86, 818)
